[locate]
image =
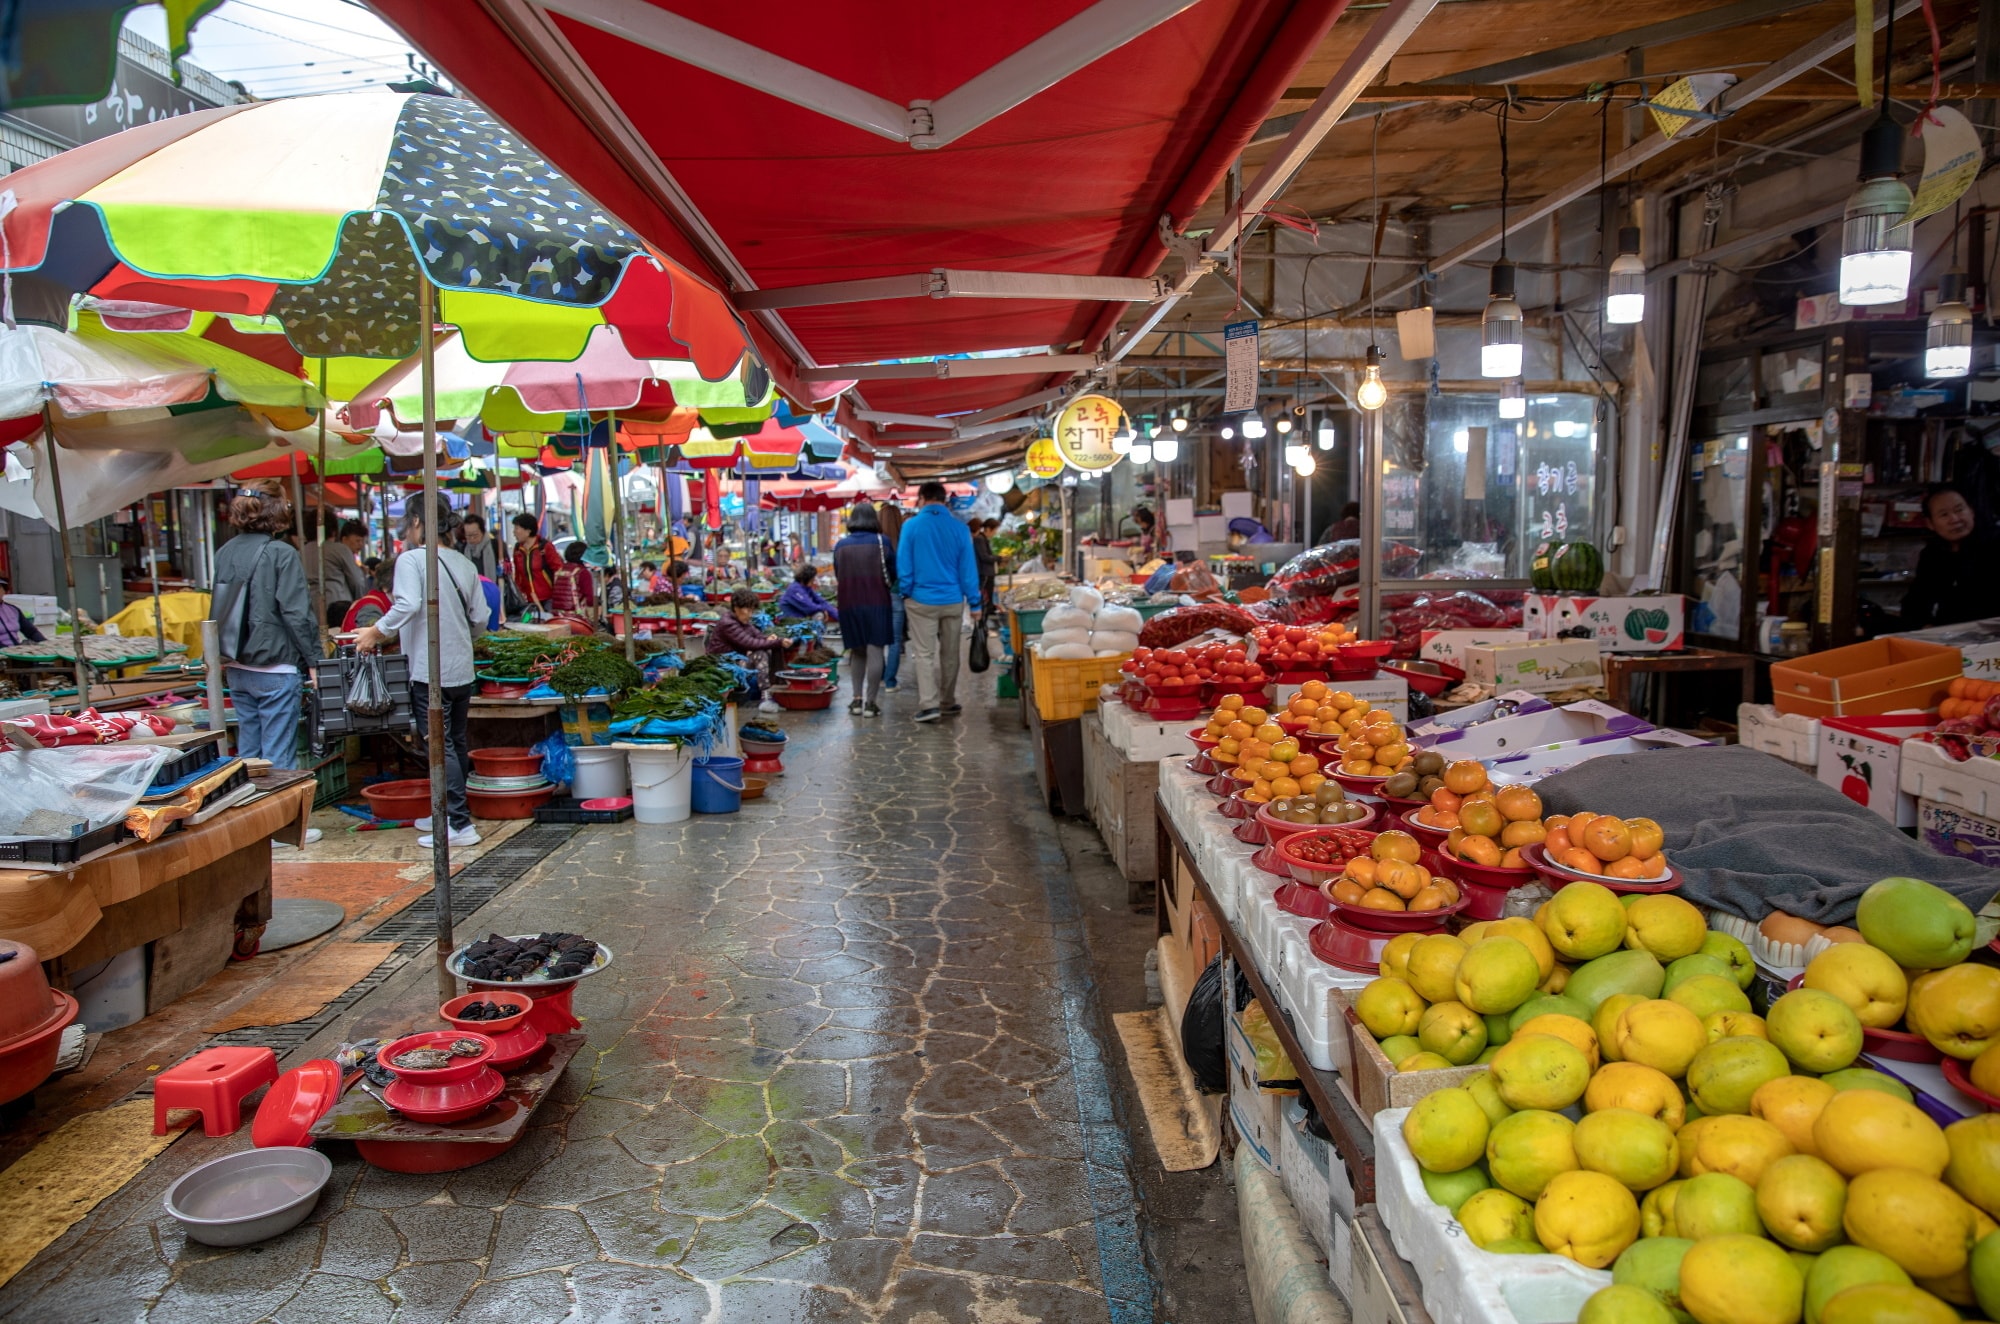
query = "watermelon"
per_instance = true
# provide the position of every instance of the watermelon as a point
(1575, 567)
(1541, 569)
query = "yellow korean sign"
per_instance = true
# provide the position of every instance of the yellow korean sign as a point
(1084, 430)
(1043, 459)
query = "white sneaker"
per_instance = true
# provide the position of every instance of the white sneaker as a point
(769, 706)
(465, 836)
(423, 824)
(312, 834)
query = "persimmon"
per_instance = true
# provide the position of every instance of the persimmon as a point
(1605, 837)
(1464, 776)
(1581, 860)
(1381, 898)
(1518, 803)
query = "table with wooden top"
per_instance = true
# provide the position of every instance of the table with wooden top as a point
(1619, 668)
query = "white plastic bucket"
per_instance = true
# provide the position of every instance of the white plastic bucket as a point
(661, 783)
(115, 993)
(600, 772)
(731, 746)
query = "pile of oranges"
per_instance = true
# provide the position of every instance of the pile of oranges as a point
(1606, 844)
(1327, 711)
(1389, 877)
(1268, 760)
(1488, 824)
(1374, 744)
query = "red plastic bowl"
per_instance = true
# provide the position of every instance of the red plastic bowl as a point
(1559, 876)
(1372, 788)
(1277, 829)
(1426, 681)
(1398, 921)
(421, 1156)
(805, 700)
(1486, 875)
(1294, 726)
(454, 1101)
(1430, 836)
(1339, 943)
(1353, 840)
(1237, 807)
(1900, 1045)
(460, 1068)
(1221, 785)
(515, 1039)
(1202, 742)
(1954, 1071)
(1306, 902)
(1483, 900)
(506, 761)
(508, 804)
(397, 801)
(27, 1060)
(289, 1108)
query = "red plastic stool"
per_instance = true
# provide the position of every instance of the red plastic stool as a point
(214, 1082)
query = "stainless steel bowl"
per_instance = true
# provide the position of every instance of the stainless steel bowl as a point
(249, 1196)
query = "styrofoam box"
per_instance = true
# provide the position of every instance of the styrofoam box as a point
(1589, 720)
(1792, 737)
(1928, 773)
(1305, 1163)
(1461, 1282)
(1486, 710)
(1306, 981)
(1957, 834)
(1140, 738)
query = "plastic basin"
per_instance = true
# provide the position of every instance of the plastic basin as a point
(1353, 841)
(506, 761)
(399, 800)
(509, 804)
(27, 1059)
(249, 1196)
(805, 700)
(1339, 943)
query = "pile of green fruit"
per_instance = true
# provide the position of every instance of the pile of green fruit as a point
(1729, 1168)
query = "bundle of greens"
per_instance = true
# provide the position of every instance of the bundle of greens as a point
(595, 666)
(515, 654)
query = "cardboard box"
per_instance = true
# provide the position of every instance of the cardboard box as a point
(1509, 703)
(1373, 1082)
(1972, 787)
(1540, 666)
(1884, 675)
(1256, 1115)
(1448, 646)
(1540, 729)
(1654, 623)
(1534, 764)
(1978, 644)
(1958, 834)
(1861, 757)
(1792, 737)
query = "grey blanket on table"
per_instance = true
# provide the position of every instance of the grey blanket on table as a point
(1751, 834)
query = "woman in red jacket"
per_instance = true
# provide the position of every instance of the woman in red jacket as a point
(533, 565)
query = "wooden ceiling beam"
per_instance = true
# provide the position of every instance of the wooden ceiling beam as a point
(1800, 91)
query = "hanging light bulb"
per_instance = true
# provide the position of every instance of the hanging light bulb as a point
(1625, 292)
(1294, 452)
(1500, 326)
(1284, 424)
(1324, 433)
(1180, 420)
(1306, 463)
(1141, 453)
(1228, 433)
(1371, 394)
(1167, 448)
(1948, 335)
(1875, 234)
(1121, 440)
(1513, 401)
(1000, 482)
(1152, 427)
(1253, 427)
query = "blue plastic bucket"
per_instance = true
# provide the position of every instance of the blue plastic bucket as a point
(718, 785)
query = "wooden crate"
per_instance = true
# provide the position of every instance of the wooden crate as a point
(1374, 1083)
(1118, 795)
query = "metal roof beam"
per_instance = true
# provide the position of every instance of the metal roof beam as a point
(1025, 365)
(952, 283)
(1776, 74)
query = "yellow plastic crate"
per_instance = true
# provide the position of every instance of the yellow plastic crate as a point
(1066, 688)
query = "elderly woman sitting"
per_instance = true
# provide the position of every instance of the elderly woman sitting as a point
(801, 600)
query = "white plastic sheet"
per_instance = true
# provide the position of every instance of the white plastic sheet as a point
(40, 365)
(110, 461)
(50, 789)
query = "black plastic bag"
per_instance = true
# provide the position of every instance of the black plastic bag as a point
(981, 656)
(1207, 1012)
(368, 689)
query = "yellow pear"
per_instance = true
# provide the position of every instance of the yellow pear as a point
(1866, 978)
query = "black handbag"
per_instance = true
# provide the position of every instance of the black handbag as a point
(981, 657)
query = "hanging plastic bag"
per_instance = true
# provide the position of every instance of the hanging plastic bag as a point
(980, 656)
(1201, 1030)
(1275, 1072)
(368, 692)
(558, 764)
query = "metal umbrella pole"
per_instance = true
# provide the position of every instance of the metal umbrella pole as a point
(434, 660)
(153, 578)
(319, 523)
(621, 547)
(68, 563)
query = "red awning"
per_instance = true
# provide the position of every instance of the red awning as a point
(1050, 169)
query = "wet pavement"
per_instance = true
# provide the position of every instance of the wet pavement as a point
(847, 1064)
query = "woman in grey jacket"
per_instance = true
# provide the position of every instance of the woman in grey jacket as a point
(263, 609)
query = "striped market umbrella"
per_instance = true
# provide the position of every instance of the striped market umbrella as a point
(325, 212)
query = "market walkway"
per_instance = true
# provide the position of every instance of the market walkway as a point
(847, 1066)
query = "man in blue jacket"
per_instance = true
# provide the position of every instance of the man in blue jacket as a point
(939, 575)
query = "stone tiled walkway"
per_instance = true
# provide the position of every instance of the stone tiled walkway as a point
(845, 1066)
